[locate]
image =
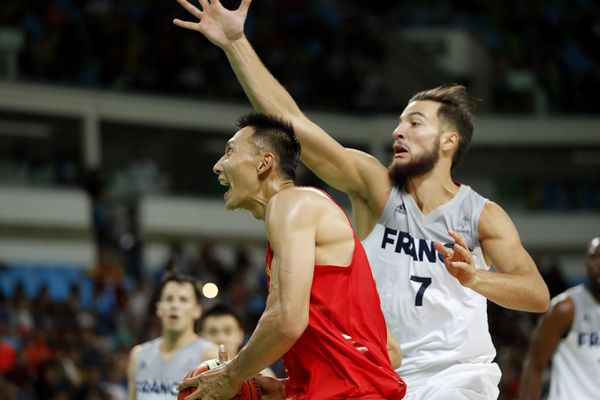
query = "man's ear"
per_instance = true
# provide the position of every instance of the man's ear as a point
(198, 312)
(265, 163)
(449, 140)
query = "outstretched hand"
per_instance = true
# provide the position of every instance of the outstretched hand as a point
(458, 261)
(220, 25)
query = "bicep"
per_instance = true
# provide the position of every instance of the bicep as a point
(501, 243)
(347, 170)
(292, 237)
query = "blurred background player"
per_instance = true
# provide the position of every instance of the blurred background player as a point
(569, 335)
(156, 367)
(322, 313)
(221, 325)
(439, 315)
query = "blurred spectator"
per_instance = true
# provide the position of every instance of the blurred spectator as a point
(545, 50)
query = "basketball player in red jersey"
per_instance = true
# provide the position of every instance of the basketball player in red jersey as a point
(323, 313)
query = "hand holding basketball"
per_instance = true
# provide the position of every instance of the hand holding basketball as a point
(210, 380)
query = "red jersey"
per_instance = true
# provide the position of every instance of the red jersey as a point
(342, 354)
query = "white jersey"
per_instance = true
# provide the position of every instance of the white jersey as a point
(157, 378)
(576, 362)
(437, 321)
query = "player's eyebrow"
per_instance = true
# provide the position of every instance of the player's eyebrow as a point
(417, 113)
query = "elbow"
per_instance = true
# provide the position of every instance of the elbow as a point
(291, 327)
(541, 301)
(544, 300)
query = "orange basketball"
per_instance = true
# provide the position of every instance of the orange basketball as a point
(250, 389)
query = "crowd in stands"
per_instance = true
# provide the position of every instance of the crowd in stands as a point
(327, 53)
(73, 343)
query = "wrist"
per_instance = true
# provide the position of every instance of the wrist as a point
(234, 373)
(475, 280)
(235, 44)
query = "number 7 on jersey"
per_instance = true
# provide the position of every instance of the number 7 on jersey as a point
(425, 282)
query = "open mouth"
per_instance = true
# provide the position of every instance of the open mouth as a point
(399, 150)
(225, 182)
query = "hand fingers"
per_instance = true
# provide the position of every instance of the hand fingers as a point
(244, 5)
(458, 238)
(187, 383)
(190, 8)
(461, 265)
(204, 4)
(443, 250)
(186, 24)
(223, 356)
(463, 252)
(195, 395)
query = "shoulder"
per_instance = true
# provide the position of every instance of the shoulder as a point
(562, 310)
(494, 222)
(296, 203)
(134, 354)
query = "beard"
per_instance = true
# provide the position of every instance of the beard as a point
(399, 174)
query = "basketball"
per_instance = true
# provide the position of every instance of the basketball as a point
(250, 389)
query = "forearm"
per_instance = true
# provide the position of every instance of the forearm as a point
(530, 387)
(517, 292)
(268, 343)
(265, 93)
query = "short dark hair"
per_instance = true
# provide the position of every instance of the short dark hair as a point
(219, 310)
(456, 108)
(179, 278)
(278, 136)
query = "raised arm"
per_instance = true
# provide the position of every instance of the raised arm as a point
(517, 284)
(551, 328)
(354, 172)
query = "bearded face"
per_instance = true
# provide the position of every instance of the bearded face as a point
(401, 170)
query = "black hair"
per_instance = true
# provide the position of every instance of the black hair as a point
(179, 278)
(219, 310)
(277, 135)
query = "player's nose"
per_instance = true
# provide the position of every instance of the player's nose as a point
(218, 167)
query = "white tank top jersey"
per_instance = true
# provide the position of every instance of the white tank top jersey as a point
(157, 378)
(436, 320)
(575, 372)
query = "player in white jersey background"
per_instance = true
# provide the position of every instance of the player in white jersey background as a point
(158, 366)
(437, 311)
(568, 336)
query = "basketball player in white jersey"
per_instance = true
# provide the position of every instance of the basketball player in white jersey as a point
(156, 367)
(433, 297)
(569, 335)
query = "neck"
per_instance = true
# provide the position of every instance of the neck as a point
(173, 341)
(268, 189)
(432, 190)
